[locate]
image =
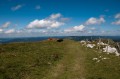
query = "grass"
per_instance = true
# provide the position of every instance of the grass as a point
(55, 60)
(71, 65)
(105, 69)
(28, 60)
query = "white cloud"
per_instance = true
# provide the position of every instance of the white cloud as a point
(89, 31)
(16, 7)
(117, 16)
(5, 25)
(65, 19)
(10, 31)
(55, 16)
(93, 28)
(1, 30)
(79, 28)
(92, 21)
(75, 29)
(37, 7)
(44, 24)
(116, 22)
(50, 22)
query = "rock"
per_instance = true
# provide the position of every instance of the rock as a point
(109, 49)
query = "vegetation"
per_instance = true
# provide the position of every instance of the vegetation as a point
(108, 68)
(56, 60)
(28, 60)
(59, 40)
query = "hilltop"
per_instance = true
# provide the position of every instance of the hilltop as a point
(56, 60)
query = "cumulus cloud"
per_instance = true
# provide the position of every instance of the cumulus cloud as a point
(117, 16)
(89, 31)
(16, 7)
(55, 16)
(116, 22)
(75, 28)
(92, 21)
(10, 31)
(65, 19)
(59, 17)
(1, 30)
(50, 22)
(5, 25)
(44, 24)
(93, 28)
(37, 7)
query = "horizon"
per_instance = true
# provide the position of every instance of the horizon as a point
(46, 18)
(54, 36)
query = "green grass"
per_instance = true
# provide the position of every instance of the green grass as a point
(105, 69)
(55, 60)
(28, 60)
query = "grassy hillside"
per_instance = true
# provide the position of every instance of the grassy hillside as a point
(29, 60)
(105, 67)
(56, 60)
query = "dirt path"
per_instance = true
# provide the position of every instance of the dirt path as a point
(71, 66)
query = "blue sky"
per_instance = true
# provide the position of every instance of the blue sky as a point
(32, 18)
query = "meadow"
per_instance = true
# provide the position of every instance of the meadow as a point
(56, 60)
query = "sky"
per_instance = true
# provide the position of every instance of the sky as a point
(35, 18)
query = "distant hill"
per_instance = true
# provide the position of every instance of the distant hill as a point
(76, 38)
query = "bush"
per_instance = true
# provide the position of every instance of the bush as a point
(59, 40)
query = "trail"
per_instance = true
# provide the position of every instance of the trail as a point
(71, 66)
